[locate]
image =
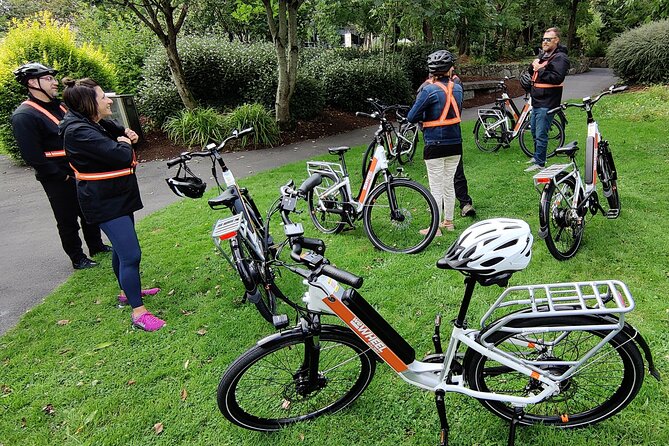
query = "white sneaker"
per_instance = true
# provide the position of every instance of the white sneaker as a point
(533, 167)
(531, 161)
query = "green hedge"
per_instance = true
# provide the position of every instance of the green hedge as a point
(639, 55)
(42, 39)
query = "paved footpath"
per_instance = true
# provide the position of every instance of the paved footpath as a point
(33, 264)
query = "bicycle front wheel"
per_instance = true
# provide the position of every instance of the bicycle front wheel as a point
(555, 138)
(401, 216)
(250, 270)
(489, 140)
(367, 159)
(608, 176)
(327, 210)
(561, 222)
(602, 386)
(407, 149)
(268, 387)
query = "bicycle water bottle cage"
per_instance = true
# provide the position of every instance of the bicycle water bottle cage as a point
(226, 199)
(568, 149)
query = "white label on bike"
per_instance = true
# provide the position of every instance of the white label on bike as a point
(228, 178)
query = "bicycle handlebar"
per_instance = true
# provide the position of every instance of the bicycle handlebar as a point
(318, 264)
(211, 148)
(588, 101)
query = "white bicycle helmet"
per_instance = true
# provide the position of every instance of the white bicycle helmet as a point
(490, 247)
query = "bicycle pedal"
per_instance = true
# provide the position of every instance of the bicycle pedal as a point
(280, 321)
(612, 213)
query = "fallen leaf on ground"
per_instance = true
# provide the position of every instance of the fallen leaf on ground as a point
(158, 427)
(131, 382)
(186, 363)
(184, 394)
(202, 331)
(63, 322)
(48, 409)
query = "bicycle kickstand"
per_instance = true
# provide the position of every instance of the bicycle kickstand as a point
(518, 414)
(441, 410)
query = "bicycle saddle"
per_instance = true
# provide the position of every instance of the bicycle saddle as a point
(338, 150)
(227, 199)
(569, 149)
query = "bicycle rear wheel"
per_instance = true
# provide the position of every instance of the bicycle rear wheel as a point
(555, 138)
(407, 150)
(563, 226)
(367, 159)
(608, 175)
(268, 388)
(395, 214)
(250, 270)
(490, 141)
(604, 384)
(327, 211)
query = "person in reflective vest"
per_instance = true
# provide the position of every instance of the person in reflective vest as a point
(35, 127)
(437, 106)
(103, 161)
(548, 72)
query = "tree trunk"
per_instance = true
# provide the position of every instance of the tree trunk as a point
(571, 32)
(427, 32)
(178, 76)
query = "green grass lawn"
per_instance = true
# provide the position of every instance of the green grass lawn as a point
(91, 379)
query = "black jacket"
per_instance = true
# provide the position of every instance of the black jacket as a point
(553, 73)
(35, 134)
(92, 148)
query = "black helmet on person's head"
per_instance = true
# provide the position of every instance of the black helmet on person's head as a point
(525, 81)
(440, 61)
(32, 70)
(187, 186)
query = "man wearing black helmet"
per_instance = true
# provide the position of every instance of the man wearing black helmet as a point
(35, 126)
(547, 74)
(437, 106)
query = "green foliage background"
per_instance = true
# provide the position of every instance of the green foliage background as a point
(639, 55)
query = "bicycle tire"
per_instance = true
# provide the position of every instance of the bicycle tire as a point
(406, 151)
(332, 219)
(417, 211)
(608, 176)
(564, 229)
(259, 391)
(248, 267)
(555, 138)
(485, 143)
(584, 398)
(367, 159)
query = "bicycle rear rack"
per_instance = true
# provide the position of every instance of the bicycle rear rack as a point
(225, 229)
(595, 298)
(545, 176)
(484, 112)
(325, 167)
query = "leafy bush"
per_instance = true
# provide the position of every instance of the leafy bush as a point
(196, 127)
(349, 83)
(309, 98)
(42, 39)
(266, 130)
(639, 55)
(220, 74)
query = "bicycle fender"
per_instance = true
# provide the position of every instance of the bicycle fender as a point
(299, 331)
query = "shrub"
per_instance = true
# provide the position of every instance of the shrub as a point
(196, 127)
(44, 40)
(308, 100)
(158, 99)
(349, 83)
(639, 55)
(266, 130)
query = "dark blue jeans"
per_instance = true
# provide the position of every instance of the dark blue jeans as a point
(126, 256)
(540, 122)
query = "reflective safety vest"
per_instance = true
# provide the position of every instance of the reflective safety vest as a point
(97, 176)
(450, 103)
(536, 75)
(48, 114)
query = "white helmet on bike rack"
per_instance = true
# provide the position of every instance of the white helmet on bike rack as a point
(491, 247)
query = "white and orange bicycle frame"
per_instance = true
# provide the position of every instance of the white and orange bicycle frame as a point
(325, 296)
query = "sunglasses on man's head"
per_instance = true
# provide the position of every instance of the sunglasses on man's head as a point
(547, 39)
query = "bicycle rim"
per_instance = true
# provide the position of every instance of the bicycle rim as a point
(407, 150)
(608, 176)
(555, 138)
(564, 227)
(492, 141)
(328, 218)
(604, 384)
(401, 233)
(264, 388)
(367, 158)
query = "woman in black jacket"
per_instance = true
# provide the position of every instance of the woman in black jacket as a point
(101, 155)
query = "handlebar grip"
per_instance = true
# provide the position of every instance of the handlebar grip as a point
(365, 115)
(619, 89)
(555, 110)
(342, 276)
(245, 132)
(173, 162)
(308, 184)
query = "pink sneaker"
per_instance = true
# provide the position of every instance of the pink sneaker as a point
(123, 300)
(148, 322)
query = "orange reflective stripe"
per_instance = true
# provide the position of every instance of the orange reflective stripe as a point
(547, 85)
(535, 75)
(54, 153)
(97, 176)
(450, 102)
(44, 111)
